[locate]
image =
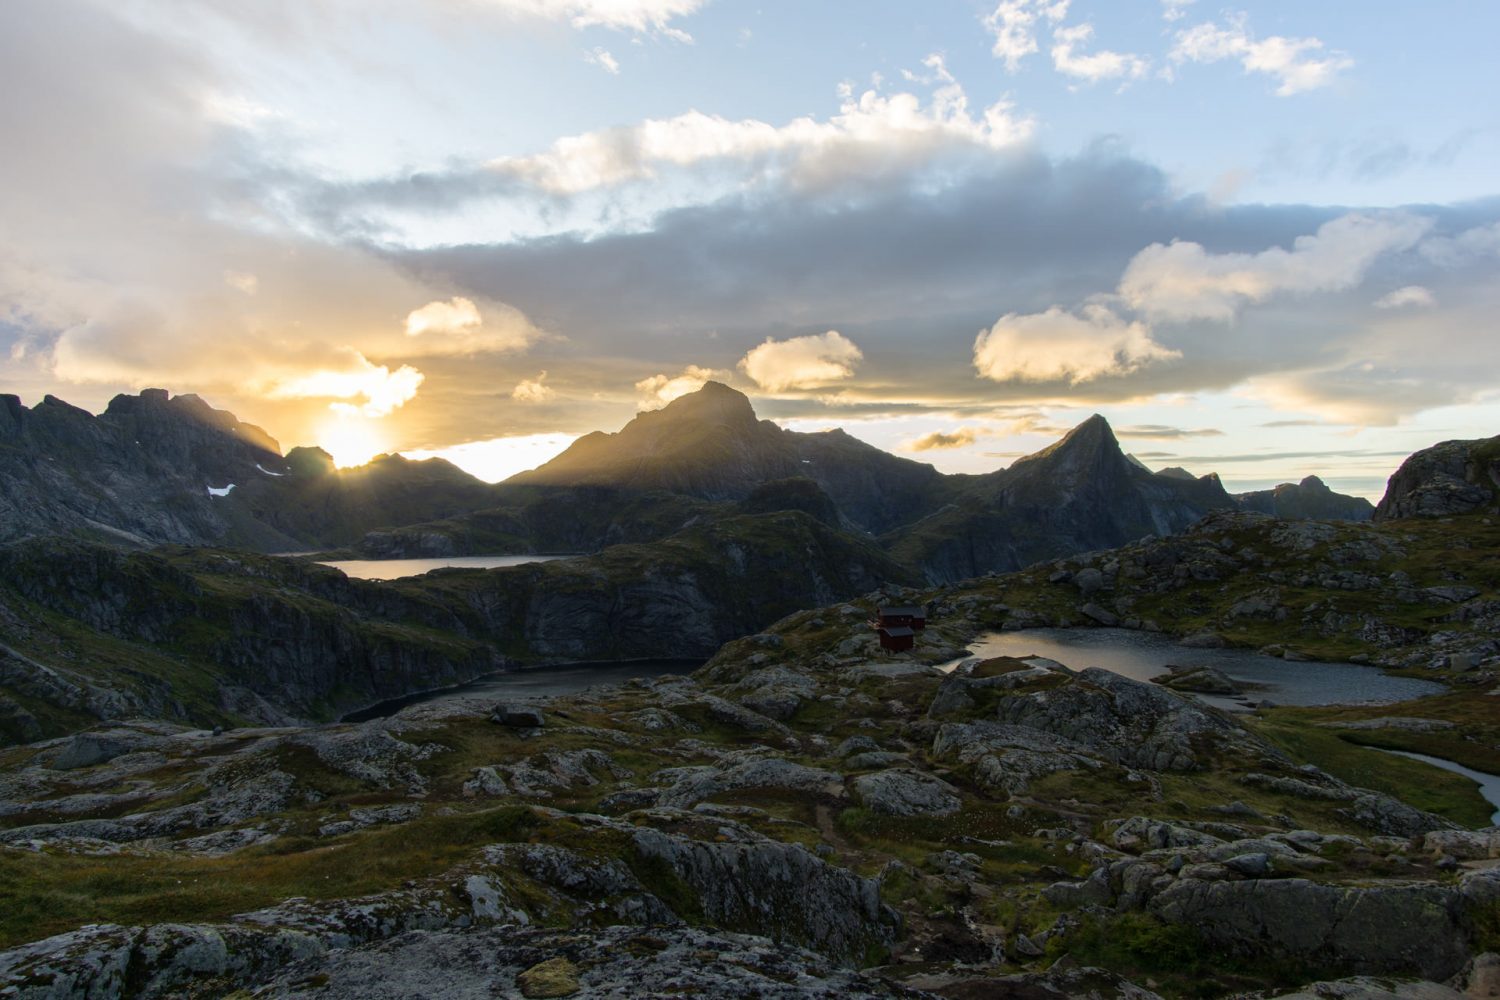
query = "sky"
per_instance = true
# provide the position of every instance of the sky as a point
(1263, 239)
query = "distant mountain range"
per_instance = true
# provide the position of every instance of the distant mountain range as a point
(159, 469)
(698, 535)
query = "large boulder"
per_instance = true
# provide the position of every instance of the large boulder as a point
(904, 792)
(1132, 723)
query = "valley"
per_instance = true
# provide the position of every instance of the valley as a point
(743, 774)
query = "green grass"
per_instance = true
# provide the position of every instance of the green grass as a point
(50, 892)
(1421, 785)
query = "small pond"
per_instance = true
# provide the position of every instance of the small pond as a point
(534, 682)
(395, 569)
(1144, 655)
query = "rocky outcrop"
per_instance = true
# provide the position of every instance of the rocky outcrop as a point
(1421, 930)
(1311, 498)
(1454, 477)
(1131, 723)
(782, 890)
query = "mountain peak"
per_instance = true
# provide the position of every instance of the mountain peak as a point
(715, 402)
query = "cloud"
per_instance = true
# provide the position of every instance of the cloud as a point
(381, 389)
(601, 57)
(456, 326)
(1013, 23)
(622, 15)
(937, 440)
(872, 135)
(1407, 295)
(1163, 432)
(1183, 281)
(1093, 67)
(659, 390)
(801, 362)
(242, 281)
(456, 316)
(1360, 394)
(1061, 346)
(1472, 244)
(1292, 61)
(533, 390)
(1175, 10)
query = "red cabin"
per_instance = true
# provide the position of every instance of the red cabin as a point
(898, 626)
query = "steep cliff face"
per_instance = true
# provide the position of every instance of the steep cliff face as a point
(1080, 494)
(1310, 499)
(1454, 477)
(207, 635)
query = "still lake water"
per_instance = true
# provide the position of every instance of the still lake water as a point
(1144, 655)
(534, 682)
(395, 569)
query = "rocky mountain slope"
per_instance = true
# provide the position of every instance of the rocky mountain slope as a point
(153, 469)
(1454, 477)
(710, 444)
(1082, 493)
(1310, 499)
(215, 637)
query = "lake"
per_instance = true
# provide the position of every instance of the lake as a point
(534, 682)
(395, 569)
(1144, 655)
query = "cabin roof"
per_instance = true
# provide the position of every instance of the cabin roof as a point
(897, 631)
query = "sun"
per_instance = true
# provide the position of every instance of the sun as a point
(351, 440)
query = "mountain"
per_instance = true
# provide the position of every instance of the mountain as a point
(1310, 499)
(1082, 493)
(138, 473)
(1453, 477)
(709, 444)
(158, 469)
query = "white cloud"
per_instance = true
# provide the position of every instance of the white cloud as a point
(872, 134)
(1058, 345)
(1013, 23)
(1409, 295)
(1183, 281)
(457, 315)
(1096, 66)
(622, 15)
(1292, 61)
(1174, 10)
(242, 281)
(533, 390)
(659, 390)
(375, 389)
(801, 362)
(601, 57)
(458, 327)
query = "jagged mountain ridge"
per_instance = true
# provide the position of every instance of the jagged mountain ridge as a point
(153, 469)
(141, 473)
(1079, 494)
